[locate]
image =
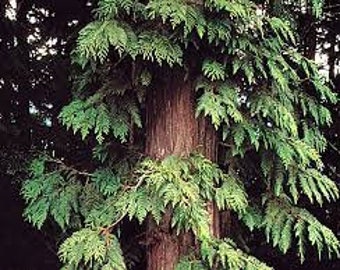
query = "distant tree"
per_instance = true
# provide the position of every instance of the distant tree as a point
(35, 39)
(201, 123)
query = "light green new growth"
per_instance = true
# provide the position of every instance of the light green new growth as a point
(250, 83)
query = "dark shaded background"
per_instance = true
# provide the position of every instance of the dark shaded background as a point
(21, 246)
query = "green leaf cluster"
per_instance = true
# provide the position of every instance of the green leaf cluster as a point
(48, 193)
(283, 223)
(93, 249)
(91, 115)
(266, 100)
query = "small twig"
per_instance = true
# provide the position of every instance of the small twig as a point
(334, 148)
(135, 187)
(63, 165)
(226, 144)
(108, 229)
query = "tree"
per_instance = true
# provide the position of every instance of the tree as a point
(33, 88)
(160, 88)
(317, 38)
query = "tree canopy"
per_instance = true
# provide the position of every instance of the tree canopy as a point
(197, 125)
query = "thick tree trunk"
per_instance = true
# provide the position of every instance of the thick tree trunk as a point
(172, 129)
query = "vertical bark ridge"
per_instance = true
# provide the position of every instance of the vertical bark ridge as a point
(172, 129)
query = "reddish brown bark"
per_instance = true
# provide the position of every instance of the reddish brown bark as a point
(172, 129)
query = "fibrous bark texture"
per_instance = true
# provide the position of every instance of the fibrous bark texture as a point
(173, 129)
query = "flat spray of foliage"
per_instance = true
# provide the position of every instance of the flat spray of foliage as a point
(252, 85)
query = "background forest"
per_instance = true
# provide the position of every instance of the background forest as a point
(52, 68)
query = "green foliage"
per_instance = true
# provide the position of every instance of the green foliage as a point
(155, 47)
(282, 28)
(109, 8)
(186, 184)
(92, 248)
(266, 99)
(96, 38)
(177, 13)
(187, 264)
(49, 194)
(313, 184)
(226, 254)
(88, 115)
(240, 9)
(317, 6)
(266, 106)
(313, 136)
(231, 195)
(218, 31)
(83, 117)
(252, 218)
(283, 222)
(221, 105)
(106, 181)
(213, 70)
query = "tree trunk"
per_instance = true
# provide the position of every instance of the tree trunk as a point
(22, 75)
(172, 129)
